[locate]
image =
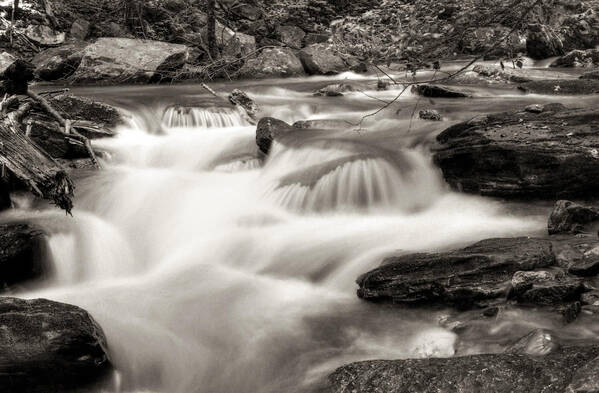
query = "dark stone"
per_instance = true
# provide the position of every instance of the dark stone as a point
(5, 202)
(23, 254)
(321, 59)
(58, 63)
(268, 130)
(85, 109)
(49, 347)
(462, 278)
(291, 36)
(489, 373)
(335, 90)
(578, 58)
(586, 267)
(542, 42)
(240, 98)
(538, 342)
(523, 155)
(590, 298)
(17, 77)
(430, 114)
(545, 287)
(50, 137)
(585, 378)
(590, 75)
(570, 217)
(437, 91)
(322, 124)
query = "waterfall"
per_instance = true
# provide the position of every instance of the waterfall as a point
(191, 117)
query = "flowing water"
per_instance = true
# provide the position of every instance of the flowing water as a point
(213, 270)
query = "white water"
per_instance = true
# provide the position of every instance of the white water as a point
(209, 273)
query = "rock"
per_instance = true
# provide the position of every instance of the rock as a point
(335, 90)
(321, 124)
(590, 75)
(58, 63)
(85, 109)
(125, 60)
(23, 253)
(44, 35)
(239, 45)
(272, 63)
(436, 91)
(590, 298)
(17, 77)
(240, 98)
(462, 278)
(570, 217)
(578, 58)
(539, 342)
(430, 114)
(6, 59)
(291, 36)
(321, 59)
(586, 267)
(50, 137)
(490, 40)
(268, 130)
(48, 347)
(316, 38)
(545, 287)
(382, 85)
(508, 75)
(561, 87)
(523, 155)
(490, 373)
(585, 378)
(79, 29)
(542, 42)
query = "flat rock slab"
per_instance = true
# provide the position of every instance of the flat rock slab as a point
(567, 370)
(464, 278)
(561, 87)
(48, 347)
(545, 155)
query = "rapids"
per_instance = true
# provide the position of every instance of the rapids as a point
(212, 270)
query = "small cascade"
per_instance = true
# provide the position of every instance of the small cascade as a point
(192, 117)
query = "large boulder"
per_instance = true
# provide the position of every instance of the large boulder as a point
(481, 273)
(543, 155)
(542, 42)
(322, 59)
(570, 217)
(49, 347)
(268, 130)
(58, 63)
(23, 254)
(578, 58)
(272, 62)
(125, 60)
(569, 370)
(580, 31)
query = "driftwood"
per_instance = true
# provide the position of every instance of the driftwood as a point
(33, 166)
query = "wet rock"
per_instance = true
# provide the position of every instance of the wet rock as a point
(23, 253)
(590, 298)
(335, 90)
(508, 75)
(240, 98)
(430, 114)
(50, 137)
(542, 42)
(322, 124)
(87, 110)
(58, 63)
(436, 91)
(490, 373)
(44, 35)
(590, 75)
(585, 378)
(268, 130)
(79, 29)
(523, 155)
(570, 217)
(561, 87)
(6, 59)
(545, 287)
(462, 278)
(49, 347)
(125, 60)
(538, 342)
(272, 63)
(291, 36)
(578, 58)
(321, 59)
(587, 266)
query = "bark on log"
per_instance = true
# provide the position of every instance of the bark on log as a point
(34, 167)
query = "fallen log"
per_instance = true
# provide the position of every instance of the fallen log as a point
(43, 176)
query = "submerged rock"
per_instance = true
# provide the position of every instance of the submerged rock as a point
(523, 154)
(23, 254)
(322, 124)
(49, 347)
(539, 342)
(430, 114)
(272, 62)
(561, 371)
(321, 59)
(570, 217)
(436, 91)
(335, 90)
(125, 60)
(464, 278)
